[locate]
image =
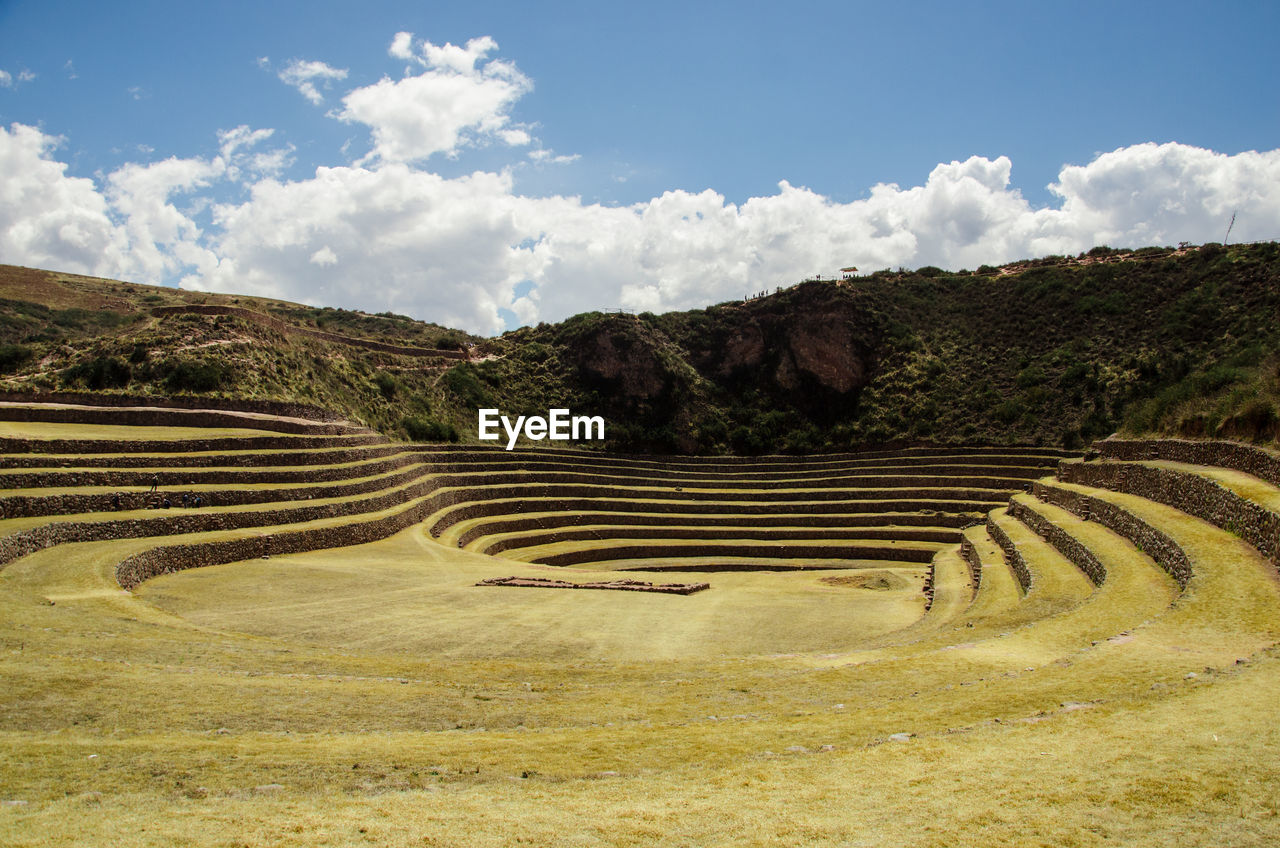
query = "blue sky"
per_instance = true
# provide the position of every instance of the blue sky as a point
(632, 153)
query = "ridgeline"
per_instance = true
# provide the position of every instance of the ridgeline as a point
(1054, 352)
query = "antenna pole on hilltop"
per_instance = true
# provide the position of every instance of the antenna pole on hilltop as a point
(1229, 226)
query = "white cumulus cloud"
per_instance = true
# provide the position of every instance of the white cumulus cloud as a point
(305, 75)
(389, 233)
(50, 220)
(458, 99)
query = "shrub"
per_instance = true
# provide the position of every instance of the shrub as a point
(186, 376)
(386, 384)
(428, 429)
(12, 357)
(464, 383)
(105, 372)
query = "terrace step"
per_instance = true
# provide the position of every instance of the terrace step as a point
(1228, 498)
(1053, 583)
(998, 589)
(497, 543)
(587, 553)
(462, 533)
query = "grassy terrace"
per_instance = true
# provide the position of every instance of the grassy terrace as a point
(364, 689)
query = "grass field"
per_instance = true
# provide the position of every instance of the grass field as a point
(373, 694)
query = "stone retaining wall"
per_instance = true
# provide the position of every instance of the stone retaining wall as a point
(170, 558)
(176, 479)
(178, 522)
(1066, 544)
(1189, 493)
(293, 329)
(197, 459)
(488, 509)
(28, 506)
(12, 445)
(145, 417)
(969, 553)
(519, 485)
(1154, 543)
(602, 463)
(762, 535)
(286, 409)
(1012, 555)
(1260, 462)
(911, 486)
(502, 523)
(1048, 456)
(761, 550)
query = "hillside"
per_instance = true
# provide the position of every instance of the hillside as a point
(1057, 351)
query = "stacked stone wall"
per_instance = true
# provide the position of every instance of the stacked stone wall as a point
(170, 558)
(286, 409)
(1048, 456)
(503, 523)
(67, 503)
(762, 535)
(1258, 461)
(89, 447)
(179, 522)
(1189, 493)
(1064, 542)
(969, 553)
(1154, 543)
(1012, 555)
(197, 459)
(156, 417)
(763, 549)
(171, 479)
(489, 508)
(526, 487)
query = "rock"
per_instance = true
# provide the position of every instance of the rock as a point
(900, 737)
(267, 788)
(798, 749)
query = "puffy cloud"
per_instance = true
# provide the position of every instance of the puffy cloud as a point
(409, 241)
(304, 76)
(458, 99)
(162, 240)
(1165, 193)
(6, 79)
(269, 163)
(50, 220)
(401, 46)
(387, 233)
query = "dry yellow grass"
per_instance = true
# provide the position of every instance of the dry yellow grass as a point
(374, 695)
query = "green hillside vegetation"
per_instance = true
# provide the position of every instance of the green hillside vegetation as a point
(1057, 352)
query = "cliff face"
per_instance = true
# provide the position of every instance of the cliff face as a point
(812, 348)
(684, 380)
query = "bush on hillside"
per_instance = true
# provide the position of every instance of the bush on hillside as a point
(105, 372)
(428, 429)
(13, 357)
(187, 376)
